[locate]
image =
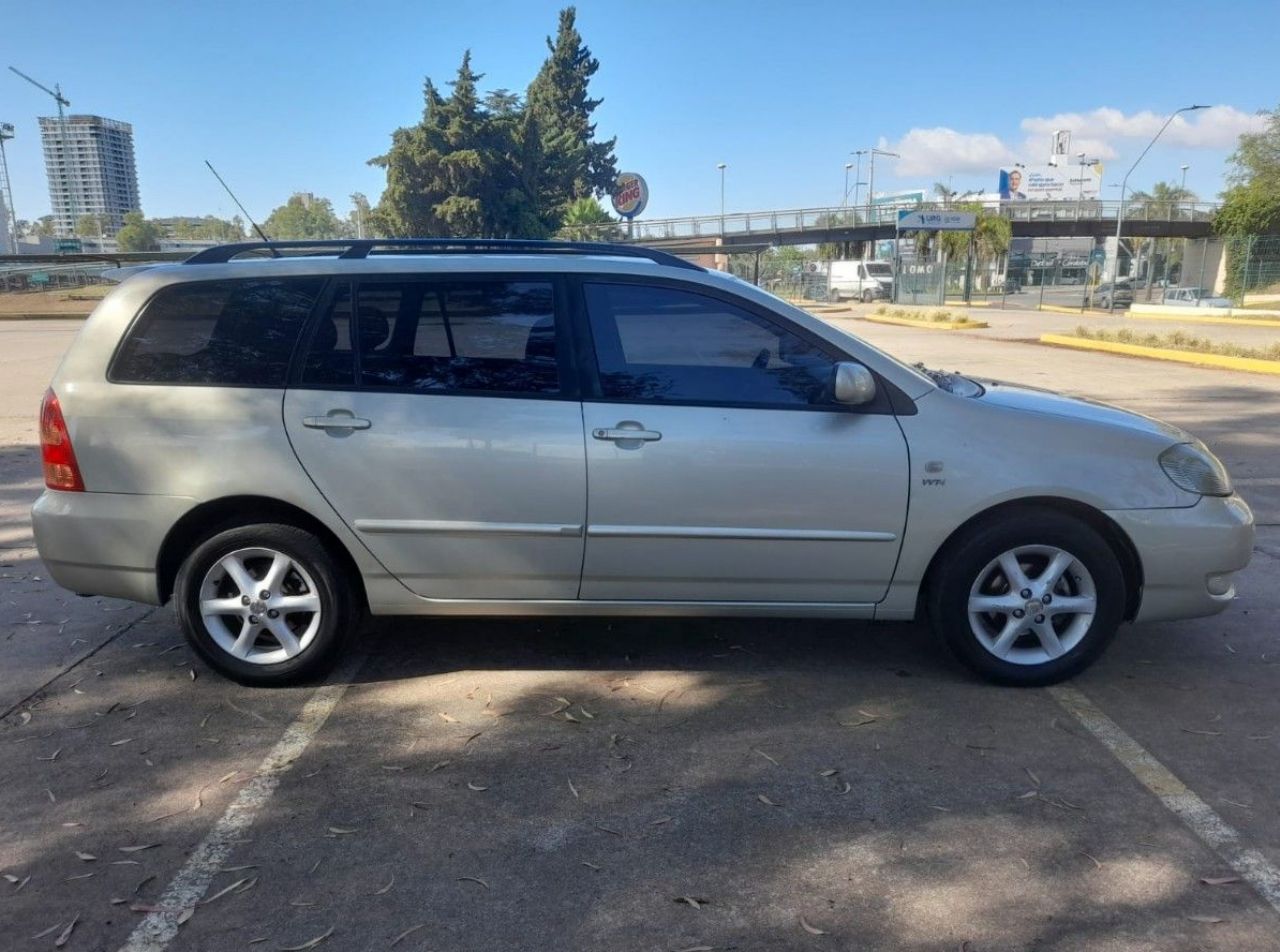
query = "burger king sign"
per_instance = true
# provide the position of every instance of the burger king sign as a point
(630, 194)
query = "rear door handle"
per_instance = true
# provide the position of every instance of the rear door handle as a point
(624, 432)
(337, 420)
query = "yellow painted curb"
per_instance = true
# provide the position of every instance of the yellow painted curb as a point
(959, 302)
(1219, 361)
(1231, 321)
(928, 325)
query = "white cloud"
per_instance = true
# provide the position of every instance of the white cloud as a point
(940, 151)
(1218, 127)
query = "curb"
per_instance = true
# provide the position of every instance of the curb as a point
(1058, 309)
(928, 325)
(1217, 361)
(958, 302)
(43, 317)
(1228, 321)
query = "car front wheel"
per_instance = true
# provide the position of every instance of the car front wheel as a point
(1028, 600)
(265, 604)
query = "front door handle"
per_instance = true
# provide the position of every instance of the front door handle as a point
(626, 431)
(337, 420)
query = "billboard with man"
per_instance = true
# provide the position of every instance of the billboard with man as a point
(1048, 183)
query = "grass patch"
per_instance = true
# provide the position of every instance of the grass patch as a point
(936, 316)
(1180, 340)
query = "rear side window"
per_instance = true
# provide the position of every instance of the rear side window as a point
(431, 336)
(217, 333)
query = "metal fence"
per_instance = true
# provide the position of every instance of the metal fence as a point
(1253, 265)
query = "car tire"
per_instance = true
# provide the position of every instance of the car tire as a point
(262, 637)
(1070, 591)
(868, 297)
(833, 296)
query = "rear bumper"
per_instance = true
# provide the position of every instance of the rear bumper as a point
(105, 543)
(1189, 556)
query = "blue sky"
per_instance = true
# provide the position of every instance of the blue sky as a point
(286, 96)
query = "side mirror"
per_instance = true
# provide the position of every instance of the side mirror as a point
(854, 384)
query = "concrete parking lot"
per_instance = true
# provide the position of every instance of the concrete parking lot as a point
(596, 784)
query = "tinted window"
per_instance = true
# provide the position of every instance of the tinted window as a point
(656, 343)
(478, 336)
(231, 333)
(330, 360)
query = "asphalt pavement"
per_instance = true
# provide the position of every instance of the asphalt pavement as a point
(597, 784)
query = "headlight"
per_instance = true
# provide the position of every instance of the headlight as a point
(1192, 467)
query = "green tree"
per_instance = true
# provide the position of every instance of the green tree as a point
(586, 220)
(358, 220)
(303, 216)
(1161, 202)
(209, 228)
(138, 234)
(1251, 203)
(44, 227)
(89, 226)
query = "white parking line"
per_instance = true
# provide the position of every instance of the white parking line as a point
(160, 927)
(1220, 836)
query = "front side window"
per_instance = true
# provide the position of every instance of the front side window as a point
(669, 345)
(430, 336)
(217, 333)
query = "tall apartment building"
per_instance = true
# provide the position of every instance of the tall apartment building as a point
(91, 170)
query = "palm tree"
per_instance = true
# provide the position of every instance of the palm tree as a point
(585, 220)
(1162, 200)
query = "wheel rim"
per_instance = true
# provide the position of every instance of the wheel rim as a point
(260, 605)
(1032, 604)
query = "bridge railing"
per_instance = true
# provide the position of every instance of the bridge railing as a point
(764, 224)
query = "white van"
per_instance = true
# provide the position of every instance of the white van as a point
(861, 280)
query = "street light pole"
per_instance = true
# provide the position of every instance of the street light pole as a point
(721, 166)
(871, 185)
(1080, 197)
(1124, 184)
(857, 178)
(844, 204)
(1184, 178)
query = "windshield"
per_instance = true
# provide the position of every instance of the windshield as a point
(878, 269)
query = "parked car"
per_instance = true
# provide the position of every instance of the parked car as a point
(864, 281)
(1193, 297)
(282, 445)
(1121, 291)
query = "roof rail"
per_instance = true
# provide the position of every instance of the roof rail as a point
(363, 247)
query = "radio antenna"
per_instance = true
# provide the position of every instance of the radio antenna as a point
(261, 234)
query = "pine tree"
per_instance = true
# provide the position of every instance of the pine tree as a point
(575, 165)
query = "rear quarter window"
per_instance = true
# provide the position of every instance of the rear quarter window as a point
(217, 333)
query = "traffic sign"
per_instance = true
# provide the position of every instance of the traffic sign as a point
(913, 220)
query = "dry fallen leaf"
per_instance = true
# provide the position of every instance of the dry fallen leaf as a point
(590, 865)
(698, 948)
(309, 944)
(1209, 919)
(63, 936)
(847, 787)
(473, 879)
(121, 742)
(757, 750)
(1219, 880)
(387, 888)
(406, 933)
(691, 901)
(660, 820)
(138, 849)
(812, 930)
(476, 787)
(765, 800)
(1032, 774)
(448, 718)
(829, 772)
(573, 790)
(87, 857)
(222, 892)
(343, 830)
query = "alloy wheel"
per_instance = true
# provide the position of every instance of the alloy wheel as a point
(1032, 604)
(260, 605)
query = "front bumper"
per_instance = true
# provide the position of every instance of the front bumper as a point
(1189, 555)
(105, 543)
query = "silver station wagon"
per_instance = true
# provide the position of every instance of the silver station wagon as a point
(285, 437)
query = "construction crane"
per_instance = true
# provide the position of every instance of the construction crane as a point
(11, 217)
(63, 103)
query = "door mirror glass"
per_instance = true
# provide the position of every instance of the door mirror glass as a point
(853, 384)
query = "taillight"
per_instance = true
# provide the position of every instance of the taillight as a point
(60, 468)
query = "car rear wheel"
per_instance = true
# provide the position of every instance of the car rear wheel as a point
(868, 297)
(1029, 599)
(265, 604)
